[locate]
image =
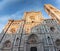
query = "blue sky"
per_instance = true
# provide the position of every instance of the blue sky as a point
(14, 9)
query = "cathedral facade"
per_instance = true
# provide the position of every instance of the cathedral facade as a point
(33, 32)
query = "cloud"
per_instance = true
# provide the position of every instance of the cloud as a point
(1, 27)
(4, 3)
(3, 22)
(16, 15)
(58, 1)
(4, 19)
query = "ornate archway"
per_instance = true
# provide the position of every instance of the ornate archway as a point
(33, 43)
(32, 39)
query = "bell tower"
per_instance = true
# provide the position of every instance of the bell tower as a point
(53, 12)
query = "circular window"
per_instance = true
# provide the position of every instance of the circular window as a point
(59, 50)
(32, 21)
(7, 43)
(52, 29)
(57, 42)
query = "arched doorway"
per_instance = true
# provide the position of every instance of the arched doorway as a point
(33, 43)
(33, 49)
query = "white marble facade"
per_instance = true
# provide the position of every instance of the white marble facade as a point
(43, 37)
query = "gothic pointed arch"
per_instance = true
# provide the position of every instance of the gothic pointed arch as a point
(32, 39)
